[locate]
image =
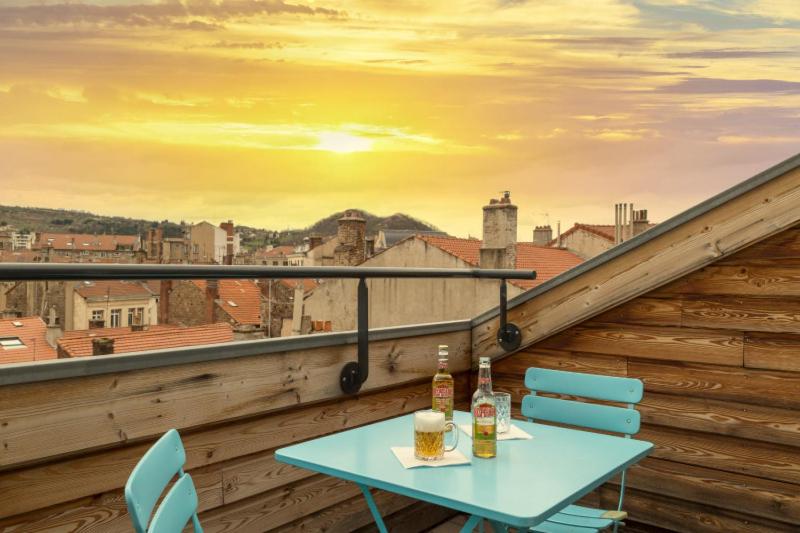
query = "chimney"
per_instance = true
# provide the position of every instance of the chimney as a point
(314, 240)
(102, 346)
(370, 247)
(53, 330)
(542, 235)
(69, 305)
(212, 295)
(297, 309)
(228, 227)
(558, 231)
(640, 221)
(163, 301)
(499, 233)
(351, 236)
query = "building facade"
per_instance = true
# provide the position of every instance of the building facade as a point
(112, 304)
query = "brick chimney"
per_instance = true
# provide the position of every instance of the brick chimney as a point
(351, 233)
(499, 248)
(542, 235)
(212, 295)
(163, 301)
(640, 222)
(102, 346)
(228, 227)
(314, 240)
(53, 330)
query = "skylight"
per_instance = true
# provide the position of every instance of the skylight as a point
(11, 343)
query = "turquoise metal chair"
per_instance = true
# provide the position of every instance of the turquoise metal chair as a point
(624, 420)
(150, 477)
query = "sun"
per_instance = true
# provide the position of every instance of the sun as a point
(342, 143)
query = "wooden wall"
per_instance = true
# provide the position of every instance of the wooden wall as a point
(68, 446)
(719, 353)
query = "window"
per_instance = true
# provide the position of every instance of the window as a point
(116, 318)
(11, 343)
(136, 316)
(97, 314)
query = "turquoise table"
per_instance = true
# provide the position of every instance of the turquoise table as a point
(528, 481)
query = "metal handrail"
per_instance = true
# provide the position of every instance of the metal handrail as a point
(354, 374)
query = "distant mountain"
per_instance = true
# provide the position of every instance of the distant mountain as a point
(328, 225)
(69, 221)
(41, 219)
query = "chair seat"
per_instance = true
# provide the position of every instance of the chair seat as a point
(578, 519)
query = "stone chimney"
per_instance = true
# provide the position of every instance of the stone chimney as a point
(499, 248)
(228, 227)
(314, 240)
(53, 330)
(163, 301)
(102, 346)
(542, 235)
(369, 247)
(212, 295)
(351, 234)
(69, 305)
(154, 244)
(640, 222)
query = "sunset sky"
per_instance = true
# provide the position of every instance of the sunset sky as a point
(277, 113)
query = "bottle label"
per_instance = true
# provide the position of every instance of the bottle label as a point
(442, 392)
(484, 381)
(484, 415)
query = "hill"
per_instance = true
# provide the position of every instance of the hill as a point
(70, 221)
(328, 225)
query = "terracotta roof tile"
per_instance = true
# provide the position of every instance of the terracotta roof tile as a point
(240, 298)
(605, 231)
(128, 341)
(547, 262)
(32, 333)
(113, 289)
(275, 252)
(82, 241)
(308, 284)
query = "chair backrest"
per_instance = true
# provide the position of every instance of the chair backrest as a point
(178, 507)
(589, 386)
(150, 477)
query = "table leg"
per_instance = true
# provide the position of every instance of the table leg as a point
(373, 508)
(471, 523)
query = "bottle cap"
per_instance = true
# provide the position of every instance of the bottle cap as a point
(484, 360)
(443, 348)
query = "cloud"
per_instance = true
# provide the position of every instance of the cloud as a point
(251, 45)
(727, 53)
(748, 139)
(718, 85)
(169, 13)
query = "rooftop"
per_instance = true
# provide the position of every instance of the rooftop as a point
(24, 339)
(82, 241)
(240, 298)
(114, 290)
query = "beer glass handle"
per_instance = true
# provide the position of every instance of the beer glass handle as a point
(454, 432)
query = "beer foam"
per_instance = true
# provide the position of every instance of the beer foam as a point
(429, 421)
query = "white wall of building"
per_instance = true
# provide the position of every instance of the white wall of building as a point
(83, 310)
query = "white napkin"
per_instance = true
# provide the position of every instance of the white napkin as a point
(407, 459)
(513, 433)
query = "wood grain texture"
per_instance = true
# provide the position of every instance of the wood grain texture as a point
(785, 245)
(756, 422)
(772, 351)
(759, 459)
(759, 497)
(115, 409)
(743, 313)
(610, 365)
(686, 516)
(742, 385)
(733, 280)
(674, 344)
(95, 473)
(645, 311)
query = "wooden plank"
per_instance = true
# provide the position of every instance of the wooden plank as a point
(743, 385)
(417, 518)
(735, 280)
(784, 245)
(740, 456)
(276, 508)
(744, 313)
(351, 515)
(645, 311)
(674, 344)
(682, 515)
(759, 497)
(106, 512)
(756, 422)
(753, 216)
(517, 364)
(248, 478)
(40, 418)
(45, 485)
(772, 351)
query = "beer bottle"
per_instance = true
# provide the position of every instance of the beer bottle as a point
(484, 414)
(443, 386)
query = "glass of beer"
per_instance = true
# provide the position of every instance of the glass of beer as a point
(429, 430)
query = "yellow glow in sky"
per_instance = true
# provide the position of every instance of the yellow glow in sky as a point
(279, 113)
